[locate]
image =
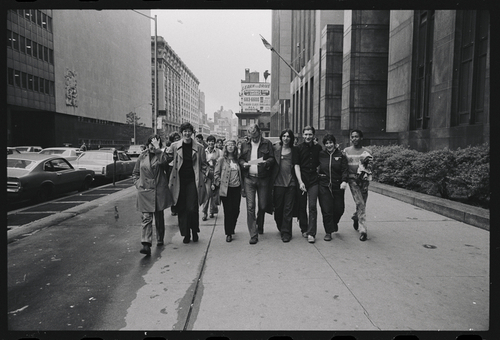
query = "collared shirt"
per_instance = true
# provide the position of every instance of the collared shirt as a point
(254, 155)
(309, 162)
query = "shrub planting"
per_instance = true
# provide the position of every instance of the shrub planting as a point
(461, 174)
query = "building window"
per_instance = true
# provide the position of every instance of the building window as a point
(42, 88)
(22, 44)
(35, 84)
(51, 56)
(46, 54)
(30, 82)
(28, 47)
(9, 38)
(15, 41)
(44, 22)
(40, 52)
(422, 53)
(47, 86)
(10, 76)
(473, 35)
(24, 80)
(39, 17)
(49, 24)
(17, 78)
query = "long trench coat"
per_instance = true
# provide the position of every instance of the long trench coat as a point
(200, 167)
(150, 179)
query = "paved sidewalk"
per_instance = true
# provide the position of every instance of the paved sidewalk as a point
(418, 271)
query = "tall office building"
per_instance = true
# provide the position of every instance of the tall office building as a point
(69, 80)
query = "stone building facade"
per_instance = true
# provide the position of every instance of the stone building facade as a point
(411, 77)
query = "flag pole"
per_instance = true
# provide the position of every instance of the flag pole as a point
(270, 47)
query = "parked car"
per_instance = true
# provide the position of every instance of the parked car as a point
(39, 176)
(135, 150)
(11, 150)
(28, 148)
(101, 161)
(69, 153)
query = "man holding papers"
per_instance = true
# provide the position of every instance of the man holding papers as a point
(256, 160)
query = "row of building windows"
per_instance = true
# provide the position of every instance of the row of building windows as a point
(35, 16)
(95, 121)
(30, 82)
(29, 47)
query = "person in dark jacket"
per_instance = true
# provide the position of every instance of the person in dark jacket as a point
(153, 195)
(307, 175)
(285, 183)
(333, 175)
(256, 161)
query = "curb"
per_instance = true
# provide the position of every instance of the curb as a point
(49, 221)
(475, 216)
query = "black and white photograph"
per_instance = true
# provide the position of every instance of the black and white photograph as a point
(268, 173)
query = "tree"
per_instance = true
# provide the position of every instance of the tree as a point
(130, 119)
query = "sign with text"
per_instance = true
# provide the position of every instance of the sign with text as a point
(255, 97)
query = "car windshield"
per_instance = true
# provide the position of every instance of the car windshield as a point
(22, 149)
(20, 163)
(52, 152)
(95, 156)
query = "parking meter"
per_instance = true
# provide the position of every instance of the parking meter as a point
(115, 158)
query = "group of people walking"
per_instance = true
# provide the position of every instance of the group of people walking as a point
(285, 179)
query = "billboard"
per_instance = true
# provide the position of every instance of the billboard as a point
(255, 97)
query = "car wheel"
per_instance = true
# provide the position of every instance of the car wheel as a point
(43, 194)
(86, 185)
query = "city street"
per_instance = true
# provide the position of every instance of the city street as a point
(417, 271)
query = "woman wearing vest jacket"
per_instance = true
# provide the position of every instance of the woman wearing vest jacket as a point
(228, 178)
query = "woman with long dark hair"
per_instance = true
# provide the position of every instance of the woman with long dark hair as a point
(285, 183)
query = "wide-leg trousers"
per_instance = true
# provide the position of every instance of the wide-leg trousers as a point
(360, 196)
(332, 207)
(187, 208)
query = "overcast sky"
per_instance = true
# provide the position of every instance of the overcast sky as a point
(217, 46)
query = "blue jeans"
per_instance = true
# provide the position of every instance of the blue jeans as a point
(262, 187)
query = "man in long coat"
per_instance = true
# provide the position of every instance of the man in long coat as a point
(153, 195)
(187, 183)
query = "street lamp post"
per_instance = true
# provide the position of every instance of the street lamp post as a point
(155, 101)
(135, 118)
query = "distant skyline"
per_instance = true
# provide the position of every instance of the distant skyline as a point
(217, 46)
